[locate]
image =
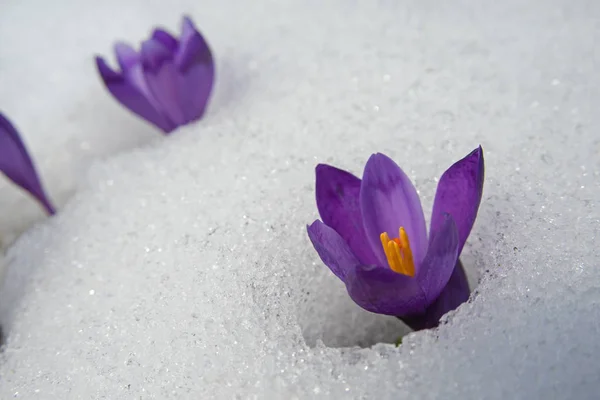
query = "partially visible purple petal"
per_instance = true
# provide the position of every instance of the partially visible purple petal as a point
(188, 32)
(332, 249)
(440, 260)
(17, 165)
(131, 67)
(195, 63)
(127, 57)
(388, 200)
(337, 193)
(454, 294)
(193, 49)
(459, 194)
(128, 95)
(383, 291)
(162, 78)
(166, 39)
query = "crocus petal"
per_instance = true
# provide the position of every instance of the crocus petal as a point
(162, 77)
(438, 265)
(16, 164)
(131, 67)
(383, 291)
(127, 57)
(166, 39)
(128, 95)
(388, 200)
(332, 249)
(189, 33)
(195, 64)
(459, 194)
(454, 294)
(339, 207)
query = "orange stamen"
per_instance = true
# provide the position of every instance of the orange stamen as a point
(398, 253)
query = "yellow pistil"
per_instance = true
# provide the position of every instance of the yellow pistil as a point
(398, 253)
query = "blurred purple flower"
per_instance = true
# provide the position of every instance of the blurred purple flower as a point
(16, 164)
(411, 276)
(169, 82)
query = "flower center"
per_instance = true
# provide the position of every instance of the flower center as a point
(398, 253)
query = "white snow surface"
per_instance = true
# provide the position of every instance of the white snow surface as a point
(179, 267)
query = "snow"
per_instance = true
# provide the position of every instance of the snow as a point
(179, 267)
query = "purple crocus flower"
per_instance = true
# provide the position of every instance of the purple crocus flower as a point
(169, 82)
(373, 236)
(16, 164)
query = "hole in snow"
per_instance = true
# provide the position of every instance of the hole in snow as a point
(327, 313)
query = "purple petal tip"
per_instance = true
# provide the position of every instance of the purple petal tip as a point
(459, 193)
(477, 152)
(187, 22)
(166, 39)
(154, 55)
(16, 164)
(106, 73)
(332, 249)
(127, 57)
